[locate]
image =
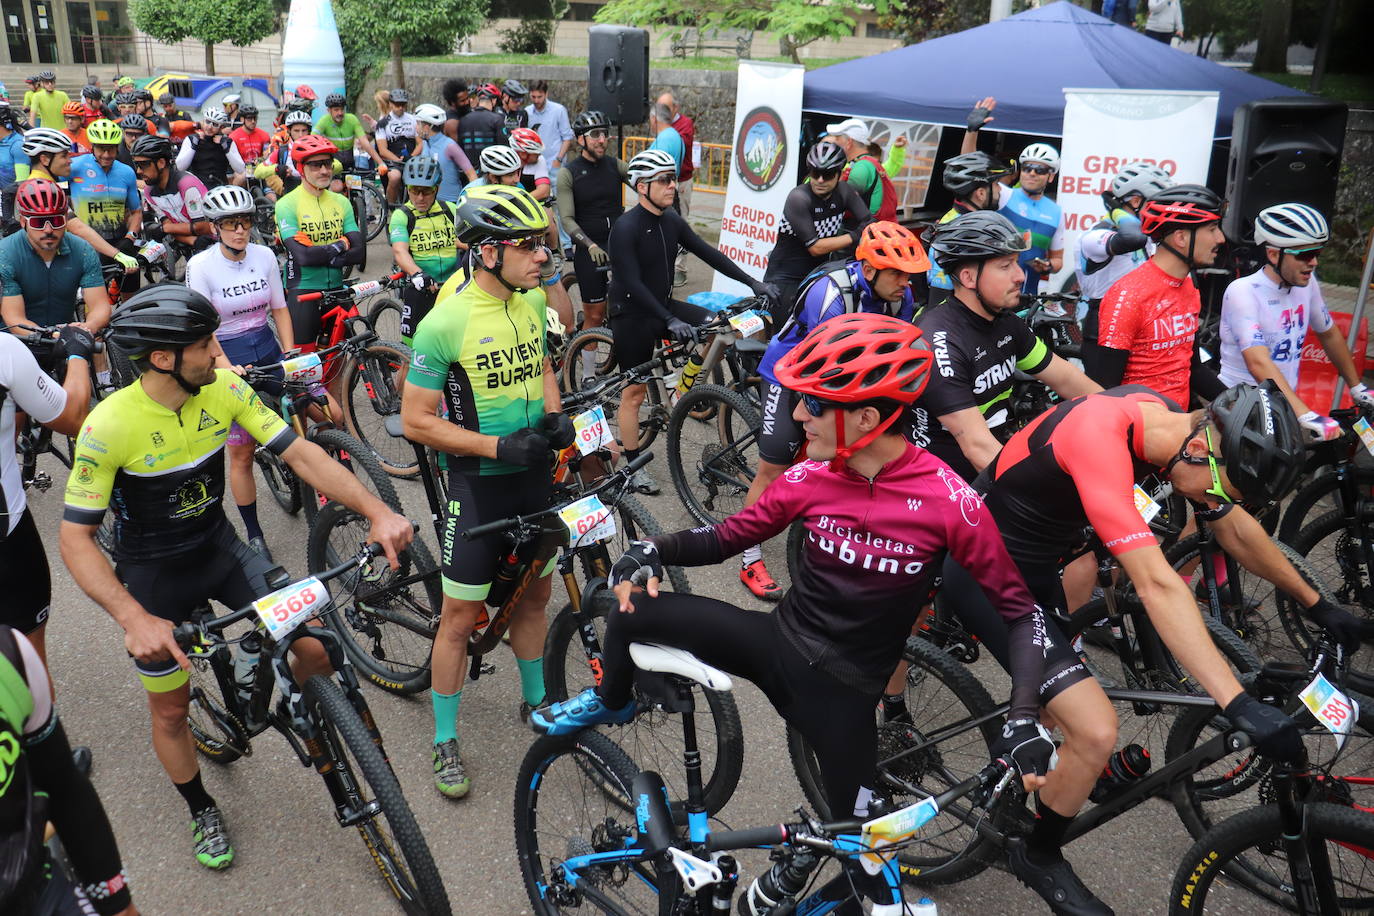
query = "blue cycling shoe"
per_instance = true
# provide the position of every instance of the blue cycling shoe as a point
(582, 711)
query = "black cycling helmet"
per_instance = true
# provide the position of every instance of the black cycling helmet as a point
(306, 105)
(826, 157)
(142, 95)
(46, 76)
(248, 111)
(515, 89)
(589, 120)
(123, 98)
(153, 147)
(166, 99)
(92, 92)
(335, 100)
(164, 316)
(399, 96)
(967, 173)
(1261, 440)
(975, 236)
(134, 122)
(422, 171)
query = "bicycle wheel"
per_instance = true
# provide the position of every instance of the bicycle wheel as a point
(218, 734)
(281, 480)
(944, 699)
(572, 798)
(1346, 834)
(387, 623)
(654, 737)
(392, 836)
(634, 522)
(589, 355)
(371, 387)
(385, 317)
(1318, 496)
(712, 465)
(1337, 555)
(374, 209)
(359, 458)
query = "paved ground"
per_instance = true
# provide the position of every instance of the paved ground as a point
(292, 858)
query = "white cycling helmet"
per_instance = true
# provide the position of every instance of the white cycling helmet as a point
(649, 164)
(297, 117)
(232, 99)
(214, 115)
(1040, 152)
(500, 160)
(431, 114)
(1141, 178)
(228, 200)
(1291, 226)
(46, 140)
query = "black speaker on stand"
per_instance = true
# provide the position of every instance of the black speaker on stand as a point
(618, 76)
(1282, 149)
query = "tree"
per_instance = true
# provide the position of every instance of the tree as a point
(917, 20)
(1272, 54)
(239, 22)
(1230, 22)
(366, 26)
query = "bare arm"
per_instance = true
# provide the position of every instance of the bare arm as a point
(13, 312)
(97, 300)
(401, 252)
(1067, 380)
(1334, 344)
(971, 136)
(970, 430)
(421, 421)
(1245, 539)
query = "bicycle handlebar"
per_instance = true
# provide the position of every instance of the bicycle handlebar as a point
(525, 521)
(633, 376)
(46, 335)
(356, 291)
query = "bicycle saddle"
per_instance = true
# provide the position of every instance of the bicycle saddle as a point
(668, 660)
(750, 345)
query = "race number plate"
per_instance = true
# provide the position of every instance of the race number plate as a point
(284, 610)
(588, 521)
(1366, 433)
(354, 182)
(593, 431)
(366, 288)
(1146, 506)
(1332, 708)
(152, 251)
(747, 324)
(895, 827)
(304, 368)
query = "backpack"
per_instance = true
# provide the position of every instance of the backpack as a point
(888, 210)
(838, 272)
(447, 206)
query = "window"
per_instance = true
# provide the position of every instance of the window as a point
(16, 32)
(583, 12)
(871, 30)
(81, 32)
(116, 40)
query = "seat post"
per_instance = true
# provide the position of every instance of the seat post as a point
(691, 754)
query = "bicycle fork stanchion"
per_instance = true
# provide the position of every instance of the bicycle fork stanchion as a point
(1308, 859)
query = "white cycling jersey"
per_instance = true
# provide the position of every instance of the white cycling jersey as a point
(1092, 251)
(26, 387)
(1256, 312)
(241, 291)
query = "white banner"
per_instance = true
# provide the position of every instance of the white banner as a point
(763, 165)
(1108, 129)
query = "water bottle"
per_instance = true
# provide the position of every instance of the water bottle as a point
(924, 907)
(1124, 767)
(780, 884)
(246, 665)
(689, 374)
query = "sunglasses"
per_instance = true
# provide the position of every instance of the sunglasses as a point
(318, 164)
(827, 175)
(1216, 489)
(422, 190)
(531, 244)
(815, 406)
(665, 179)
(1304, 254)
(1037, 169)
(596, 134)
(51, 221)
(236, 222)
(141, 164)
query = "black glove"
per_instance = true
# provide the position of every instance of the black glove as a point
(768, 291)
(977, 118)
(153, 232)
(77, 341)
(679, 329)
(1026, 745)
(528, 448)
(1347, 629)
(421, 280)
(558, 427)
(637, 565)
(1272, 731)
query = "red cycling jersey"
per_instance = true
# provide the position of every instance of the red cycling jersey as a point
(1154, 317)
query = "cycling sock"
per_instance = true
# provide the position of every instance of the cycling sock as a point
(631, 454)
(249, 514)
(197, 799)
(751, 555)
(445, 715)
(894, 706)
(1047, 838)
(531, 680)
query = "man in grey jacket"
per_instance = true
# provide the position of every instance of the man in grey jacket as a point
(1166, 20)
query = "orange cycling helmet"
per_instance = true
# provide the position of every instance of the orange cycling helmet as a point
(74, 108)
(312, 145)
(887, 244)
(855, 360)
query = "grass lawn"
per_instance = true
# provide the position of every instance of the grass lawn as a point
(1348, 87)
(688, 63)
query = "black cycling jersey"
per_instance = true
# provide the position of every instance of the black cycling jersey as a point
(596, 190)
(975, 362)
(210, 163)
(479, 129)
(806, 219)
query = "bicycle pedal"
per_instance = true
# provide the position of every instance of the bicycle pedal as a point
(42, 482)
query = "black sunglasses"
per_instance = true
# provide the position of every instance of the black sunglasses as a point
(825, 175)
(1037, 169)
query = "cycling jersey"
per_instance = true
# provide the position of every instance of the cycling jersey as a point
(343, 133)
(81, 144)
(431, 236)
(1041, 221)
(534, 174)
(937, 277)
(12, 158)
(163, 470)
(1154, 317)
(487, 355)
(453, 165)
(479, 129)
(1098, 267)
(23, 386)
(241, 291)
(1258, 312)
(975, 365)
(250, 143)
(103, 200)
(312, 221)
(806, 219)
(182, 199)
(398, 130)
(211, 159)
(49, 287)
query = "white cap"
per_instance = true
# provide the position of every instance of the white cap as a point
(853, 128)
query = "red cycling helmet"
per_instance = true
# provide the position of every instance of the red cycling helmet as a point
(312, 145)
(857, 359)
(305, 92)
(1182, 206)
(40, 197)
(887, 244)
(526, 140)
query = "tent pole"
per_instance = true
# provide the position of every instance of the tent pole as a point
(1361, 301)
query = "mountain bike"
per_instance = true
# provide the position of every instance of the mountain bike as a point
(369, 203)
(327, 722)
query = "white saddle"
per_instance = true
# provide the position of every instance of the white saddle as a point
(650, 656)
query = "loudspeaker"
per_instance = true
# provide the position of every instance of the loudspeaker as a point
(618, 73)
(1282, 150)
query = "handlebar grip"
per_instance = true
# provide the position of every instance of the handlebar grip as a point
(502, 524)
(310, 297)
(185, 635)
(741, 839)
(639, 462)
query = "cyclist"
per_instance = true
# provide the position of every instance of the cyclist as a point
(423, 236)
(1116, 245)
(230, 103)
(483, 126)
(74, 119)
(980, 343)
(878, 280)
(1148, 320)
(277, 169)
(133, 126)
(879, 516)
(104, 194)
(482, 353)
(92, 105)
(643, 244)
(534, 171)
(41, 784)
(242, 281)
(47, 101)
(143, 103)
(44, 267)
(513, 94)
(343, 127)
(822, 219)
(1265, 316)
(14, 165)
(174, 196)
(320, 234)
(122, 104)
(250, 139)
(1037, 215)
(396, 142)
(174, 548)
(975, 180)
(589, 202)
(454, 167)
(209, 154)
(500, 165)
(49, 153)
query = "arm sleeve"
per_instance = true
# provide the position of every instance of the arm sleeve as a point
(235, 160)
(1032, 354)
(714, 257)
(565, 205)
(896, 159)
(459, 158)
(781, 503)
(33, 391)
(1108, 366)
(1126, 238)
(185, 155)
(625, 261)
(857, 208)
(1095, 245)
(1203, 381)
(797, 211)
(357, 245)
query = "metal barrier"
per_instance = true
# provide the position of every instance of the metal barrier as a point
(711, 176)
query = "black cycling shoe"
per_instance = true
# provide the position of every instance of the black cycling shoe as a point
(81, 758)
(1055, 882)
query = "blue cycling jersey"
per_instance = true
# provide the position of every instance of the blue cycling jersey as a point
(11, 154)
(103, 200)
(1040, 219)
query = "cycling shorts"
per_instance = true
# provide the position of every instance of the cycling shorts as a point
(24, 570)
(415, 305)
(344, 158)
(781, 436)
(469, 566)
(306, 317)
(636, 334)
(224, 569)
(257, 347)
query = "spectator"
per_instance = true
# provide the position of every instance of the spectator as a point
(1166, 20)
(665, 137)
(550, 120)
(513, 93)
(864, 172)
(456, 104)
(47, 102)
(1122, 12)
(382, 99)
(687, 130)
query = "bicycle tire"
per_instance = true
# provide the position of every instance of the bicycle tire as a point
(957, 852)
(371, 391)
(337, 443)
(390, 637)
(1340, 827)
(1338, 564)
(634, 522)
(413, 878)
(385, 317)
(573, 797)
(574, 373)
(713, 476)
(375, 211)
(653, 738)
(219, 736)
(1300, 509)
(281, 481)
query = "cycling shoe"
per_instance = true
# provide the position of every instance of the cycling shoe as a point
(1055, 882)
